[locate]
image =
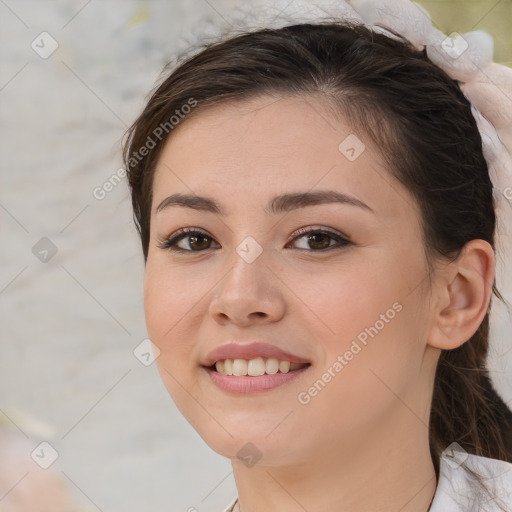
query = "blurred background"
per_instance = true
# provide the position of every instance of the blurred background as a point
(74, 74)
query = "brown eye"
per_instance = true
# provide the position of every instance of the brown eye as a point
(317, 240)
(187, 240)
(198, 242)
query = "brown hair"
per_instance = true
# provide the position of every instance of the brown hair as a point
(422, 123)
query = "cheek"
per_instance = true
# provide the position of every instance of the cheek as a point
(375, 342)
(344, 300)
(171, 304)
(171, 296)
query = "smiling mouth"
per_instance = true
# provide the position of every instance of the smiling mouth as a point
(255, 367)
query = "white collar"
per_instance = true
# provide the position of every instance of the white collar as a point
(458, 491)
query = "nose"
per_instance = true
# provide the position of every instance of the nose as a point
(248, 294)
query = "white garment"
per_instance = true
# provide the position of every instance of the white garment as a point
(458, 491)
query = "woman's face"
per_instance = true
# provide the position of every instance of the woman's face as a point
(349, 299)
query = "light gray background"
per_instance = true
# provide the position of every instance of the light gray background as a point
(69, 326)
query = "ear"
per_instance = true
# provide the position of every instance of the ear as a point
(462, 291)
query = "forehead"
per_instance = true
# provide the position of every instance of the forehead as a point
(247, 151)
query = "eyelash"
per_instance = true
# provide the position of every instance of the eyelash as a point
(170, 242)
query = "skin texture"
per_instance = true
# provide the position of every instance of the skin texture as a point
(361, 443)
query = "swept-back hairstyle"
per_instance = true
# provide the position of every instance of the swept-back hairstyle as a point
(421, 122)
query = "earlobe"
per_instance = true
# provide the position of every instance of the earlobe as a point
(463, 290)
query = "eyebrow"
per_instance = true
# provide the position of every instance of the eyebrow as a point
(279, 204)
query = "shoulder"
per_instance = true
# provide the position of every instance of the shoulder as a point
(472, 483)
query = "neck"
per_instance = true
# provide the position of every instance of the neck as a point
(389, 471)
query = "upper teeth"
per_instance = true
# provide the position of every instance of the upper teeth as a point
(254, 367)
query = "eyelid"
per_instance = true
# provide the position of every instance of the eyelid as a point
(317, 229)
(341, 240)
(170, 242)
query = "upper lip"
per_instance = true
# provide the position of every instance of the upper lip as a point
(250, 351)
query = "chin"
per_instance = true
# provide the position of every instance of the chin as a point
(247, 442)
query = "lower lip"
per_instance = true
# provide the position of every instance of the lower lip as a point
(246, 384)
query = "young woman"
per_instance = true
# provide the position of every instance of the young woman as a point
(317, 219)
